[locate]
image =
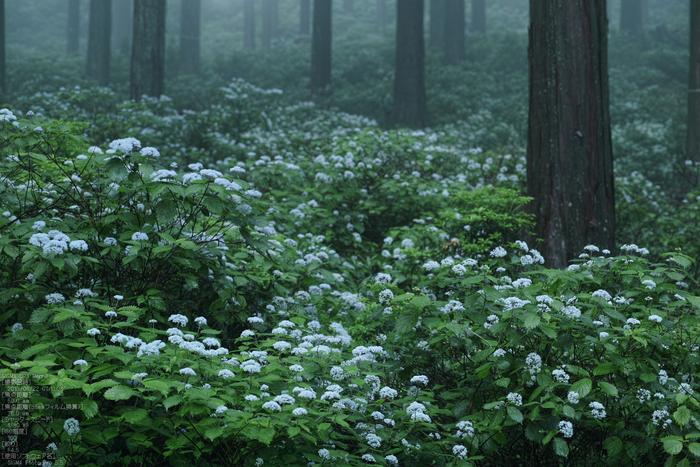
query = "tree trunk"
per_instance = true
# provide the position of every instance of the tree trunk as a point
(438, 19)
(73, 26)
(693, 135)
(569, 152)
(190, 24)
(381, 15)
(249, 24)
(3, 61)
(99, 41)
(409, 107)
(148, 54)
(269, 22)
(479, 16)
(321, 46)
(305, 18)
(631, 18)
(122, 25)
(454, 32)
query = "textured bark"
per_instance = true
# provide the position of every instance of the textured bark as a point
(190, 26)
(122, 25)
(99, 41)
(693, 135)
(438, 15)
(73, 25)
(305, 18)
(569, 153)
(3, 61)
(479, 16)
(381, 15)
(148, 53)
(249, 24)
(321, 46)
(269, 22)
(631, 18)
(454, 32)
(409, 107)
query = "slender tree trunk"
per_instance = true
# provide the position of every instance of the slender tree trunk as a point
(148, 55)
(631, 18)
(305, 18)
(122, 25)
(479, 16)
(693, 138)
(321, 46)
(409, 107)
(73, 25)
(438, 19)
(249, 24)
(99, 41)
(381, 15)
(190, 24)
(269, 22)
(454, 32)
(569, 153)
(3, 61)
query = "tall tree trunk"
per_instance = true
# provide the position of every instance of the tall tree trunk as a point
(148, 54)
(3, 61)
(305, 18)
(269, 22)
(321, 46)
(73, 26)
(190, 25)
(569, 152)
(454, 32)
(631, 18)
(249, 24)
(409, 107)
(122, 25)
(479, 16)
(99, 41)
(381, 15)
(693, 134)
(438, 19)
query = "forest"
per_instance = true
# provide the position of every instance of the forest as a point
(351, 232)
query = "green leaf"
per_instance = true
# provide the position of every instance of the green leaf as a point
(604, 369)
(135, 415)
(172, 401)
(266, 435)
(569, 411)
(560, 447)
(165, 211)
(407, 320)
(531, 320)
(119, 393)
(613, 445)
(292, 431)
(672, 444)
(90, 408)
(648, 377)
(608, 388)
(213, 432)
(682, 415)
(515, 414)
(158, 385)
(694, 449)
(582, 387)
(502, 382)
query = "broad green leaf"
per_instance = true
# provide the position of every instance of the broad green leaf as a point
(165, 211)
(172, 401)
(292, 431)
(560, 447)
(648, 377)
(213, 432)
(613, 445)
(694, 449)
(682, 415)
(90, 408)
(672, 444)
(158, 385)
(515, 414)
(531, 320)
(582, 387)
(569, 411)
(119, 393)
(135, 415)
(608, 388)
(604, 369)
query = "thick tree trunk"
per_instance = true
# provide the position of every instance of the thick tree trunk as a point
(249, 24)
(73, 26)
(99, 41)
(190, 25)
(438, 20)
(569, 153)
(631, 18)
(305, 18)
(454, 32)
(479, 16)
(381, 15)
(693, 135)
(3, 61)
(321, 46)
(409, 107)
(122, 25)
(148, 54)
(269, 22)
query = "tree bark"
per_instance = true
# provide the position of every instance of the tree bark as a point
(569, 152)
(99, 41)
(631, 18)
(305, 18)
(190, 26)
(693, 132)
(438, 19)
(381, 15)
(3, 61)
(409, 107)
(321, 46)
(73, 26)
(454, 32)
(269, 22)
(479, 16)
(122, 25)
(148, 54)
(249, 24)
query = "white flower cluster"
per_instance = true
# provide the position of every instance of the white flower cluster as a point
(417, 412)
(515, 399)
(534, 365)
(560, 375)
(597, 410)
(659, 416)
(573, 397)
(464, 429)
(566, 428)
(72, 426)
